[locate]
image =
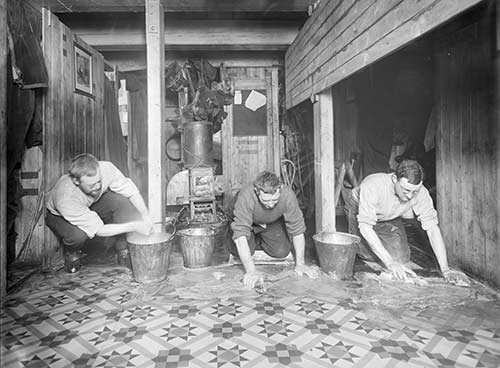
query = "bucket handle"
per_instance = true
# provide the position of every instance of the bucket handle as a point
(174, 229)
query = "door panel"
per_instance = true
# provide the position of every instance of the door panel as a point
(246, 156)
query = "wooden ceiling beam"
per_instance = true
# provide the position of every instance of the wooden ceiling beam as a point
(195, 35)
(82, 6)
(130, 61)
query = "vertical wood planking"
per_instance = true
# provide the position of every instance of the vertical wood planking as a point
(156, 105)
(53, 132)
(275, 124)
(227, 148)
(467, 147)
(343, 37)
(31, 179)
(324, 162)
(3, 149)
(493, 254)
(70, 119)
(98, 111)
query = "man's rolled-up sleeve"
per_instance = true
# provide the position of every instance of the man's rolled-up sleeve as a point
(424, 209)
(367, 212)
(119, 183)
(81, 216)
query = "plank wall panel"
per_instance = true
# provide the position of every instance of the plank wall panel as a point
(353, 37)
(52, 129)
(69, 118)
(493, 254)
(3, 150)
(97, 126)
(467, 148)
(346, 122)
(334, 36)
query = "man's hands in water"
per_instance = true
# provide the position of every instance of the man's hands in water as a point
(251, 279)
(312, 272)
(456, 278)
(143, 227)
(400, 271)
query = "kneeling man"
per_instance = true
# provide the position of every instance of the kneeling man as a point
(375, 210)
(265, 215)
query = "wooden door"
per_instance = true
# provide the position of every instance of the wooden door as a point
(250, 139)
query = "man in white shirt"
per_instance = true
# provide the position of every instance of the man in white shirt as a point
(375, 210)
(95, 198)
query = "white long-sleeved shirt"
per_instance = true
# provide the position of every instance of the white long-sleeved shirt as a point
(67, 200)
(378, 201)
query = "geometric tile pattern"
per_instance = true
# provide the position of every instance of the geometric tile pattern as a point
(94, 319)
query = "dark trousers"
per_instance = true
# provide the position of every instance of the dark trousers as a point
(112, 208)
(392, 234)
(273, 240)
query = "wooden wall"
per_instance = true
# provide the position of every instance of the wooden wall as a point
(346, 121)
(468, 145)
(73, 122)
(343, 36)
(3, 149)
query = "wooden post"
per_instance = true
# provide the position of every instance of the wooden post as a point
(275, 124)
(324, 170)
(3, 149)
(155, 45)
(496, 116)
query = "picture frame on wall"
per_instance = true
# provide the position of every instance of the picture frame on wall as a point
(83, 70)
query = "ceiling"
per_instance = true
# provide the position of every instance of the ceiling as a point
(116, 28)
(176, 6)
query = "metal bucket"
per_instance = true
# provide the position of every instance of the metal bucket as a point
(197, 147)
(337, 253)
(197, 246)
(150, 255)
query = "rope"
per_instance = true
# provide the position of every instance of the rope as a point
(287, 178)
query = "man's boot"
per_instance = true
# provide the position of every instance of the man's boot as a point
(123, 258)
(72, 260)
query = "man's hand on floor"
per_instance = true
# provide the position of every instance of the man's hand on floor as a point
(456, 278)
(251, 279)
(400, 271)
(312, 272)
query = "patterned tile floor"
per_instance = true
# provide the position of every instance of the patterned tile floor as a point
(100, 317)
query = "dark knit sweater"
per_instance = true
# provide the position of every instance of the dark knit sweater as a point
(248, 211)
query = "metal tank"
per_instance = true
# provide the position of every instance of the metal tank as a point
(197, 148)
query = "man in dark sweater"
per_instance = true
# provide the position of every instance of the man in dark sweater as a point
(266, 214)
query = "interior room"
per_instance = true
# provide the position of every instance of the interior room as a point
(190, 183)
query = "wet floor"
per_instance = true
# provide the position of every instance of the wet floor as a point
(100, 317)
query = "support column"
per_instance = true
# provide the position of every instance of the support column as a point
(496, 116)
(3, 149)
(155, 45)
(324, 169)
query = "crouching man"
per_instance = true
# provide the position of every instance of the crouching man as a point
(95, 199)
(265, 215)
(375, 210)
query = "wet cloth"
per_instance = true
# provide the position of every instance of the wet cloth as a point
(68, 201)
(283, 221)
